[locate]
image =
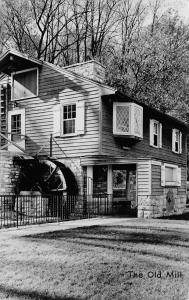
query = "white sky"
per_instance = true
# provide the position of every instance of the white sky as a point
(182, 6)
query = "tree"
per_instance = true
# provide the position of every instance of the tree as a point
(37, 26)
(154, 69)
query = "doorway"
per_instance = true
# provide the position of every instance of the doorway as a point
(124, 189)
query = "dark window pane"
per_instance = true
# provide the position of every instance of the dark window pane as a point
(100, 179)
(16, 127)
(176, 147)
(155, 140)
(25, 84)
(69, 126)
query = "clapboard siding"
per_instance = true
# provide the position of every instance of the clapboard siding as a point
(54, 88)
(157, 189)
(114, 146)
(182, 188)
(144, 178)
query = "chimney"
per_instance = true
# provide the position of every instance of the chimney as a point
(90, 69)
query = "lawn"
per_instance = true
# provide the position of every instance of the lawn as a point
(125, 259)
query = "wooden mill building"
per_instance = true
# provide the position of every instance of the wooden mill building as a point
(111, 144)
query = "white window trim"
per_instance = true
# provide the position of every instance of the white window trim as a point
(62, 119)
(159, 136)
(24, 71)
(23, 130)
(58, 119)
(178, 175)
(174, 130)
(131, 106)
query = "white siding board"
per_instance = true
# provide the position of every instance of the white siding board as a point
(144, 178)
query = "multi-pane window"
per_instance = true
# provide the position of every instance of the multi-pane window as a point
(155, 134)
(16, 127)
(176, 141)
(127, 120)
(69, 119)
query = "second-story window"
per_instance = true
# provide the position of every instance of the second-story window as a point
(176, 141)
(25, 84)
(69, 119)
(127, 120)
(155, 134)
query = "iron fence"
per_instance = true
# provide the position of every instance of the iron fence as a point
(18, 210)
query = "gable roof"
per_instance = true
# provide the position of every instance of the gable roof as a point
(17, 59)
(13, 58)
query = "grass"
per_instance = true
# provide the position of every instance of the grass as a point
(99, 262)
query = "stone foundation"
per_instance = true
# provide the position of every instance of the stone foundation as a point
(159, 206)
(8, 173)
(75, 166)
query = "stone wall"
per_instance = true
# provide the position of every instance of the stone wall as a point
(75, 166)
(8, 173)
(162, 205)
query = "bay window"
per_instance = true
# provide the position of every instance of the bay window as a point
(127, 120)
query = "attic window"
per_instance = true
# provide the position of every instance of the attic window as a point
(25, 84)
(127, 120)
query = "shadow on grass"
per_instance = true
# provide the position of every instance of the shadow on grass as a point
(27, 294)
(119, 238)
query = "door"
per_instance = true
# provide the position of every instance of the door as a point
(16, 129)
(124, 189)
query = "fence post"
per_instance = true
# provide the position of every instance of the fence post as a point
(17, 211)
(57, 205)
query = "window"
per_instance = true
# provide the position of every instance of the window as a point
(155, 134)
(100, 174)
(127, 119)
(16, 127)
(25, 84)
(176, 141)
(170, 175)
(69, 118)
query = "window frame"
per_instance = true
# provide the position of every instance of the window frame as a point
(174, 131)
(62, 119)
(159, 133)
(20, 142)
(80, 120)
(177, 175)
(14, 130)
(131, 132)
(20, 72)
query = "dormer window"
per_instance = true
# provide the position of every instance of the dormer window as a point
(127, 120)
(25, 84)
(176, 141)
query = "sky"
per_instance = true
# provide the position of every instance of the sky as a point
(182, 6)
